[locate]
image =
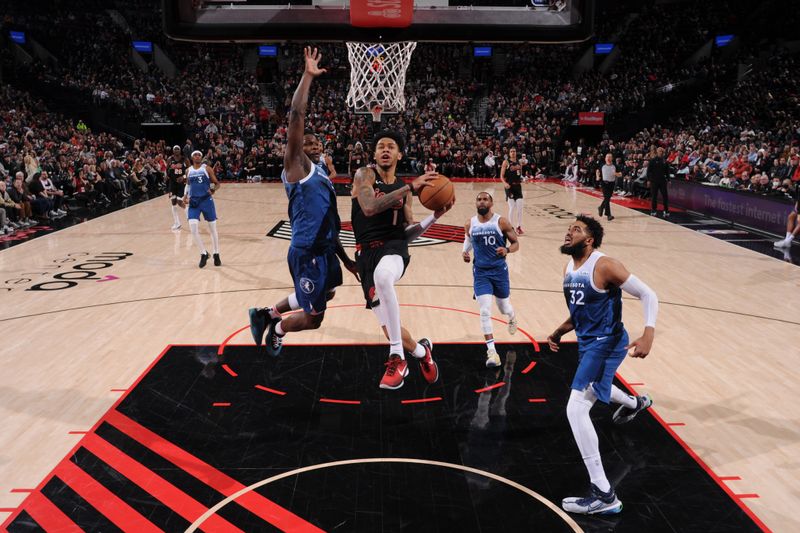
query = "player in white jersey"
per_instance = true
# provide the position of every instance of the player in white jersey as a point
(201, 183)
(489, 235)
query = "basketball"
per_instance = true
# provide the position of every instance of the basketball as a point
(438, 194)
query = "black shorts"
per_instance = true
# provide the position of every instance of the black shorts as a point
(367, 259)
(514, 192)
(176, 189)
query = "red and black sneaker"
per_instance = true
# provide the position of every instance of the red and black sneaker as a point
(430, 370)
(396, 370)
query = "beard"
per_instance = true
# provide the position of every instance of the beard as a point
(482, 211)
(573, 250)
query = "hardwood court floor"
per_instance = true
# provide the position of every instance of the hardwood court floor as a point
(723, 367)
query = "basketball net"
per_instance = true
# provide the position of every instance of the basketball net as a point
(378, 76)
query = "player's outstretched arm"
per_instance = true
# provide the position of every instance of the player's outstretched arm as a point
(295, 161)
(554, 338)
(511, 234)
(612, 272)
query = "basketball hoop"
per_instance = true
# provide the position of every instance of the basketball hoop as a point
(378, 76)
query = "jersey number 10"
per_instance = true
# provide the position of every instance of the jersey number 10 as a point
(489, 240)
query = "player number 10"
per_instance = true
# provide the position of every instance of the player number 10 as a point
(489, 240)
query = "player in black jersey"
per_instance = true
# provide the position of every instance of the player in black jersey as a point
(176, 183)
(511, 176)
(383, 226)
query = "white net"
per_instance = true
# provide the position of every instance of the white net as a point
(378, 75)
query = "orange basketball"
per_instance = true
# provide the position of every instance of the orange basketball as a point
(438, 194)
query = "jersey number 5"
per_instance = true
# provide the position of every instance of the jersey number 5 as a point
(576, 297)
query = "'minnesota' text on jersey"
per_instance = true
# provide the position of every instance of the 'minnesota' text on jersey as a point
(486, 238)
(199, 182)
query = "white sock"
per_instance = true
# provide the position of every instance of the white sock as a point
(618, 396)
(578, 407)
(518, 213)
(175, 216)
(193, 226)
(490, 344)
(212, 227)
(387, 273)
(511, 213)
(294, 305)
(419, 351)
(788, 236)
(279, 329)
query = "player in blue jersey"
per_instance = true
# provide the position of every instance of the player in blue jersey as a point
(201, 184)
(593, 285)
(489, 235)
(314, 217)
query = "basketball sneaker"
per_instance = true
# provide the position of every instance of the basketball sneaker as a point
(203, 260)
(273, 341)
(430, 370)
(623, 415)
(512, 326)
(492, 359)
(176, 227)
(217, 261)
(519, 231)
(597, 502)
(396, 370)
(259, 318)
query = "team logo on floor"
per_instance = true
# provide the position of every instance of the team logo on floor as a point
(436, 234)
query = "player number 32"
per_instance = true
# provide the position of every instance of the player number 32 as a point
(576, 297)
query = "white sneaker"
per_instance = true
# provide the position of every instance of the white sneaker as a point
(176, 227)
(61, 211)
(785, 243)
(492, 359)
(597, 502)
(512, 326)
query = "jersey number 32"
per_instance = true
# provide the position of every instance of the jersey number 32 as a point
(576, 297)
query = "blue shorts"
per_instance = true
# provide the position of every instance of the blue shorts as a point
(202, 205)
(314, 276)
(598, 361)
(491, 281)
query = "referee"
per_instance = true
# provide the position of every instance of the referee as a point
(608, 175)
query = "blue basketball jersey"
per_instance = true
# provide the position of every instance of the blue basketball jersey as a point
(312, 211)
(199, 182)
(594, 312)
(486, 238)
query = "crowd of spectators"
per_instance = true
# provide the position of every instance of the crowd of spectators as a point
(461, 122)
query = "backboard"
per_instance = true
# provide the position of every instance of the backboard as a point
(481, 21)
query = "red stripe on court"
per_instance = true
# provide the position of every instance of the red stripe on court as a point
(688, 449)
(48, 516)
(346, 402)
(422, 400)
(232, 335)
(77, 432)
(730, 478)
(109, 504)
(230, 371)
(222, 483)
(537, 400)
(23, 490)
(676, 424)
(221, 404)
(119, 390)
(7, 509)
(635, 384)
(273, 391)
(529, 367)
(159, 488)
(490, 387)
(747, 495)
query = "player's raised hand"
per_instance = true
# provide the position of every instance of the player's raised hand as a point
(423, 181)
(313, 57)
(465, 256)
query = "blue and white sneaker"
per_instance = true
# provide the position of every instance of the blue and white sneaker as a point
(273, 341)
(598, 502)
(623, 415)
